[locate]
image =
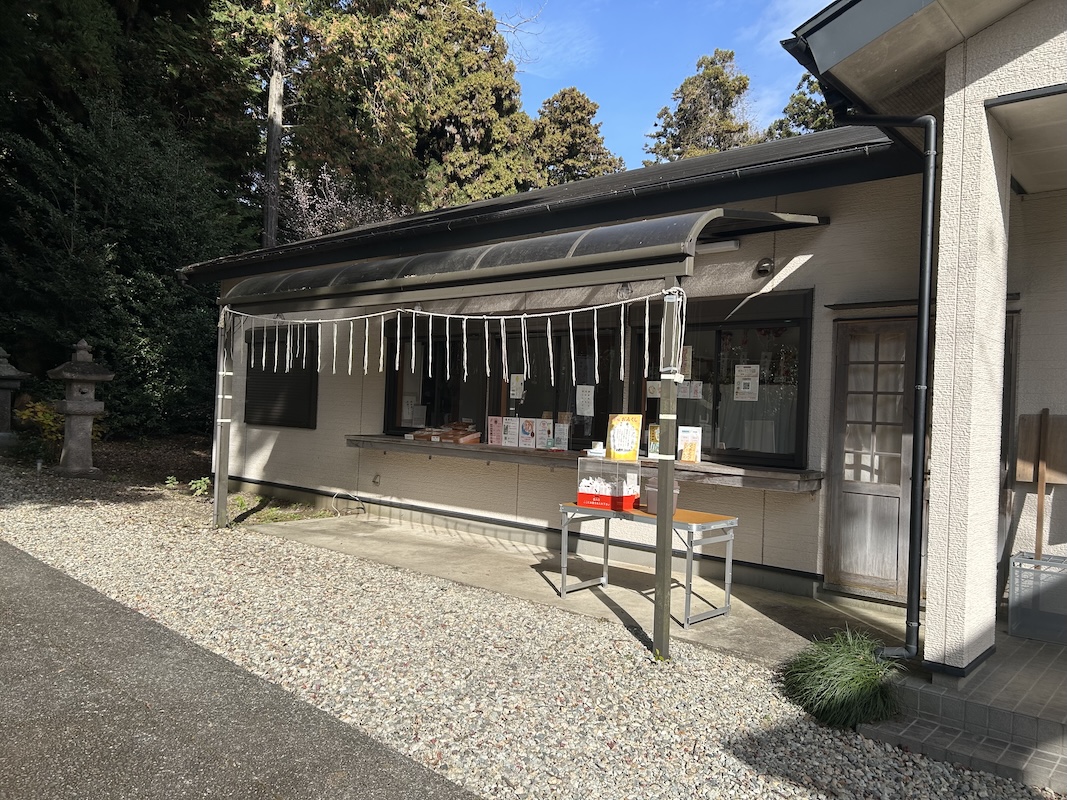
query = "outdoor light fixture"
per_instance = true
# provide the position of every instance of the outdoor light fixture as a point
(725, 246)
(765, 267)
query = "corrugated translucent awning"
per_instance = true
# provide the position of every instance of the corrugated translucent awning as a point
(658, 247)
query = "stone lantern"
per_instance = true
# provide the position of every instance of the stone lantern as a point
(80, 406)
(10, 378)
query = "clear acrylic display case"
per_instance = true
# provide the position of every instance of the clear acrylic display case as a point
(606, 483)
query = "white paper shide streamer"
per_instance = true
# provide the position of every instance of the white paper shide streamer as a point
(297, 343)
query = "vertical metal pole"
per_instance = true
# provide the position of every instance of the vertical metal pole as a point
(223, 396)
(661, 622)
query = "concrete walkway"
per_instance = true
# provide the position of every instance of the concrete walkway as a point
(763, 626)
(97, 701)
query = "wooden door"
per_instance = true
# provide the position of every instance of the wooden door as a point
(874, 382)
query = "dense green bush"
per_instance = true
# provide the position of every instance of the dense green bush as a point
(841, 681)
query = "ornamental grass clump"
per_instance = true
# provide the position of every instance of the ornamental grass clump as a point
(841, 681)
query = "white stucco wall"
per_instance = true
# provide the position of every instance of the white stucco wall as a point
(868, 252)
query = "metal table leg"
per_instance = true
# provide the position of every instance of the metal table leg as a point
(565, 552)
(691, 544)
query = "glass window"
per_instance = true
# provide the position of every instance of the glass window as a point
(543, 384)
(429, 389)
(746, 376)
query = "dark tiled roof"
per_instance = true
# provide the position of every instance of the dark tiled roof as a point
(834, 157)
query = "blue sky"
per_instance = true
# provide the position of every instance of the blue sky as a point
(628, 56)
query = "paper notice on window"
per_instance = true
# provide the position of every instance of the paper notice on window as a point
(653, 389)
(407, 410)
(517, 385)
(583, 401)
(746, 382)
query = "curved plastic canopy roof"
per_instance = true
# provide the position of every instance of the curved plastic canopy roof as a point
(660, 241)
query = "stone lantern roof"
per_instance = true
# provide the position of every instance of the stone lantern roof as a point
(10, 378)
(81, 367)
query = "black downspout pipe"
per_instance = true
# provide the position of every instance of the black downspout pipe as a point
(922, 355)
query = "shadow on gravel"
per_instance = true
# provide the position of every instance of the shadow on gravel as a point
(848, 769)
(25, 485)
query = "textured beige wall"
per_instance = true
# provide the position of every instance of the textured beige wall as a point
(1023, 51)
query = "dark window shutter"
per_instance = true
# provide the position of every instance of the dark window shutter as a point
(276, 397)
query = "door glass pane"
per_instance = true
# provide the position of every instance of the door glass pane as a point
(890, 408)
(860, 378)
(891, 347)
(859, 467)
(861, 346)
(891, 377)
(860, 408)
(887, 469)
(887, 439)
(858, 437)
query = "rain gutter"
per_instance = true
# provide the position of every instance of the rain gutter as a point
(922, 354)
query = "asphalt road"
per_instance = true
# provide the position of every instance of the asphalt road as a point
(97, 701)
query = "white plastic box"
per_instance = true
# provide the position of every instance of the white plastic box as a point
(652, 496)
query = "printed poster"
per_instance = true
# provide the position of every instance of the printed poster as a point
(510, 430)
(563, 436)
(746, 382)
(689, 437)
(543, 436)
(653, 440)
(527, 432)
(624, 436)
(496, 431)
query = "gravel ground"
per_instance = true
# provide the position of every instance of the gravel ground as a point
(508, 698)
